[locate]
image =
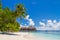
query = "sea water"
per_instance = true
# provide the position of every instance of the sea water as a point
(47, 35)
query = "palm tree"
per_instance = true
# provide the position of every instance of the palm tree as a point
(8, 18)
(20, 11)
(1, 10)
(0, 5)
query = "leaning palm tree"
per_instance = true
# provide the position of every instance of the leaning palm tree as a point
(20, 11)
(1, 10)
(8, 18)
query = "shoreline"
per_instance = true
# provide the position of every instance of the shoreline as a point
(20, 36)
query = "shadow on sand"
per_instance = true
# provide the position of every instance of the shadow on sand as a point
(7, 33)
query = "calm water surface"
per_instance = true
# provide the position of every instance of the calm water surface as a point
(48, 35)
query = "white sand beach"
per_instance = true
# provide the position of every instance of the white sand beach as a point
(21, 36)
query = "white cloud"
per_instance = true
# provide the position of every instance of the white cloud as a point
(42, 24)
(49, 21)
(23, 25)
(30, 19)
(49, 25)
(54, 21)
(31, 22)
(27, 17)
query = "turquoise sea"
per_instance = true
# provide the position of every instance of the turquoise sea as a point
(47, 35)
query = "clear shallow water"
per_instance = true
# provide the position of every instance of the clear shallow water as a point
(47, 35)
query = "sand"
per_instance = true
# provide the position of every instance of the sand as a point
(21, 36)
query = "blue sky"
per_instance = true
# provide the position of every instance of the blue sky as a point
(37, 9)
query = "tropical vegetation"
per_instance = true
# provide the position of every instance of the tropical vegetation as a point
(8, 18)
